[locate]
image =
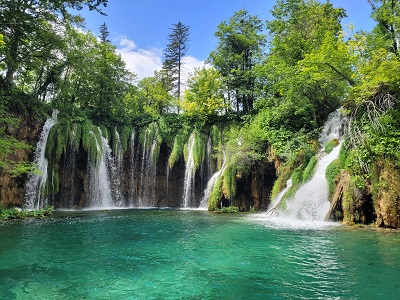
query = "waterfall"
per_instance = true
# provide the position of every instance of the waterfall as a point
(35, 197)
(189, 181)
(69, 192)
(118, 154)
(99, 186)
(310, 202)
(211, 183)
(133, 167)
(275, 202)
(148, 169)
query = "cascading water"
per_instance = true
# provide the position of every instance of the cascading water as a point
(148, 169)
(133, 167)
(275, 202)
(35, 197)
(188, 188)
(99, 187)
(118, 154)
(211, 183)
(70, 192)
(310, 203)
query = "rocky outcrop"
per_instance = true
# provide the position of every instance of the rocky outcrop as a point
(386, 194)
(12, 188)
(374, 202)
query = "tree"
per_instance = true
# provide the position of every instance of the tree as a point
(239, 51)
(27, 27)
(154, 96)
(104, 33)
(387, 14)
(204, 98)
(173, 56)
(304, 75)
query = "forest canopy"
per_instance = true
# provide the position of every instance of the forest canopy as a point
(272, 83)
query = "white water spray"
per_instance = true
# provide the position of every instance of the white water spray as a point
(189, 173)
(35, 186)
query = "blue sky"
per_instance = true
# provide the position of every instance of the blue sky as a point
(140, 28)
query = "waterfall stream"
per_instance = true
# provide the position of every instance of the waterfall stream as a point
(35, 197)
(189, 174)
(148, 169)
(99, 186)
(310, 202)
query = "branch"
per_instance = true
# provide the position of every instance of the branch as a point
(349, 80)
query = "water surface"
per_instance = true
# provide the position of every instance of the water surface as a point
(183, 254)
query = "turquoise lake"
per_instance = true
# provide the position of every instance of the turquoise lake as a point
(192, 254)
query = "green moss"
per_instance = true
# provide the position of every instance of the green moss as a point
(229, 184)
(297, 177)
(330, 145)
(343, 156)
(125, 135)
(147, 137)
(93, 143)
(16, 213)
(216, 134)
(199, 149)
(310, 169)
(228, 209)
(332, 172)
(215, 195)
(280, 183)
(348, 204)
(177, 150)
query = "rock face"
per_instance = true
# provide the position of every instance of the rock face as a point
(254, 189)
(12, 189)
(386, 195)
(376, 203)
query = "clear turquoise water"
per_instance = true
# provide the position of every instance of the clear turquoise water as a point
(170, 254)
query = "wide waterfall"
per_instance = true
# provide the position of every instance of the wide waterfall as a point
(310, 202)
(35, 195)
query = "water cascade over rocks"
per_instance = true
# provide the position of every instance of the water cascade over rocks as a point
(310, 202)
(35, 194)
(99, 168)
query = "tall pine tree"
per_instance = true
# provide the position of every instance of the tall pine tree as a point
(173, 56)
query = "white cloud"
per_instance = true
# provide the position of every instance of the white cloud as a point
(144, 62)
(189, 64)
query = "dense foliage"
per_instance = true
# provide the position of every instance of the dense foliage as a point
(264, 95)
